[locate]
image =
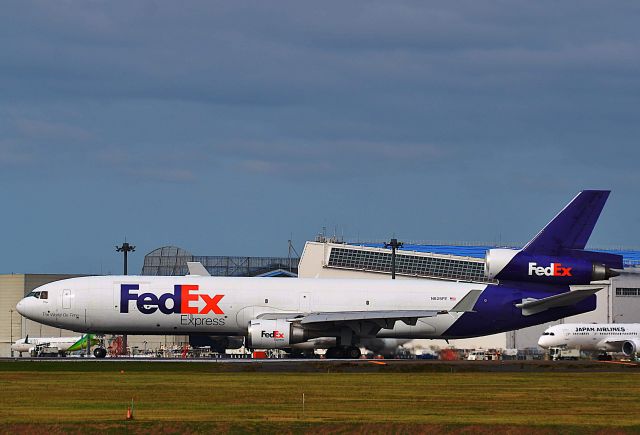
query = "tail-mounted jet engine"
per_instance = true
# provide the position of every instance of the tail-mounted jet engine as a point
(274, 334)
(576, 267)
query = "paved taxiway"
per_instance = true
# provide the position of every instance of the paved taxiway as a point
(342, 365)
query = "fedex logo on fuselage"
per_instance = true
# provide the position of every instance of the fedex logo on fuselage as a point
(183, 300)
(555, 269)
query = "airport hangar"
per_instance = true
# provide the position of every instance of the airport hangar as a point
(618, 302)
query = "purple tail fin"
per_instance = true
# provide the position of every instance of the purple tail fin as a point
(572, 227)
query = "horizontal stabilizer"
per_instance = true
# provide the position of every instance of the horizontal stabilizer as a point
(532, 306)
(467, 303)
(572, 227)
(197, 269)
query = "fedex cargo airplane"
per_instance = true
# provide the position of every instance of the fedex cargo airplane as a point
(611, 337)
(546, 280)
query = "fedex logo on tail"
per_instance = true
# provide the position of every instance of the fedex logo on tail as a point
(183, 300)
(555, 269)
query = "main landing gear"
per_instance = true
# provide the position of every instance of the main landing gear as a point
(604, 357)
(343, 352)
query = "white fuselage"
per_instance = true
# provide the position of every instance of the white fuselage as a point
(590, 336)
(225, 306)
(62, 343)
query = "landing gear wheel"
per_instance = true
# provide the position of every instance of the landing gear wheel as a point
(100, 352)
(352, 352)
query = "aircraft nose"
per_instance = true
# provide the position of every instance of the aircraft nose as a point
(27, 308)
(542, 342)
(20, 306)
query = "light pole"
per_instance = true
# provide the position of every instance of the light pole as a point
(11, 329)
(125, 249)
(393, 244)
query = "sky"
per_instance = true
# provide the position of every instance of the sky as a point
(227, 128)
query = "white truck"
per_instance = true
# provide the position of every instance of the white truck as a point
(558, 353)
(483, 355)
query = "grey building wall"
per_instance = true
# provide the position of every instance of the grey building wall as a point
(625, 298)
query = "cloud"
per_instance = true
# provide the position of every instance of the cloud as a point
(341, 159)
(469, 105)
(51, 131)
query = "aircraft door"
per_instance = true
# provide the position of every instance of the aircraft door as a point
(66, 299)
(305, 303)
(566, 332)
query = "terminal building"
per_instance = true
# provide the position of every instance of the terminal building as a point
(172, 261)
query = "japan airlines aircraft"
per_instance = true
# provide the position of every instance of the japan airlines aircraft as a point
(63, 344)
(545, 281)
(610, 337)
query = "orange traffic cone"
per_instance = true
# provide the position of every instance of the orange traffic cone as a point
(129, 413)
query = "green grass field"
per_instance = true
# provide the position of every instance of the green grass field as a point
(181, 398)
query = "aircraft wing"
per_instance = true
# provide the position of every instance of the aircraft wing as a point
(375, 319)
(532, 306)
(410, 317)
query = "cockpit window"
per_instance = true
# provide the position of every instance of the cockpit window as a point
(548, 333)
(38, 295)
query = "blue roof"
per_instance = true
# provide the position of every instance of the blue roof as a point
(630, 257)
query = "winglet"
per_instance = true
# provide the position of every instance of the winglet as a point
(572, 227)
(467, 303)
(196, 268)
